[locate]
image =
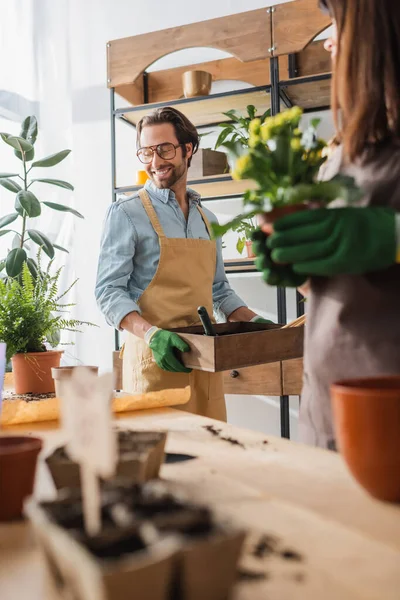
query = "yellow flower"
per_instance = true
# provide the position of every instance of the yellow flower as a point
(242, 164)
(295, 144)
(254, 127)
(254, 140)
(266, 131)
(295, 112)
(297, 131)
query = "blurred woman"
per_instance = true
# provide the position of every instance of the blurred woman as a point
(350, 254)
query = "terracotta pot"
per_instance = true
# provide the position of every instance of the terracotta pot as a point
(196, 83)
(367, 421)
(266, 220)
(61, 374)
(32, 371)
(249, 249)
(18, 456)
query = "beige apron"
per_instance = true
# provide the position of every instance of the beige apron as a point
(183, 281)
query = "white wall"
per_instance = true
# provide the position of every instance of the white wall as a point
(71, 46)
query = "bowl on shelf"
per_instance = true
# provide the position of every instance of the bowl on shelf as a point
(196, 83)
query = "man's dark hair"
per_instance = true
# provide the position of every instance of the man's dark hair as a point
(185, 131)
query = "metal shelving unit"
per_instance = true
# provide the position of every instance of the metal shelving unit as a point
(310, 91)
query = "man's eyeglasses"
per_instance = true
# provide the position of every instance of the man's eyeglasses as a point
(166, 150)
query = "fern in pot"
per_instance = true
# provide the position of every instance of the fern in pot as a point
(32, 314)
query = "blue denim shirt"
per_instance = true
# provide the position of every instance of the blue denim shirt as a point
(129, 252)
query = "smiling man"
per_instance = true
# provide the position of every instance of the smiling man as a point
(158, 263)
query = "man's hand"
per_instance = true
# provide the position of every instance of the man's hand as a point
(164, 345)
(337, 241)
(273, 274)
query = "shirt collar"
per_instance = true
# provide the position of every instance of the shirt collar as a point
(166, 194)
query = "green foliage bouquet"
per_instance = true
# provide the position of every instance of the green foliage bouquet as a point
(283, 161)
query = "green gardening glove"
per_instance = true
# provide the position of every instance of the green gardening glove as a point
(273, 274)
(164, 345)
(336, 241)
(259, 319)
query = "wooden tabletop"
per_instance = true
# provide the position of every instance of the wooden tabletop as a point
(333, 541)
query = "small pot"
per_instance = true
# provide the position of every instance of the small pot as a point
(249, 249)
(61, 374)
(32, 371)
(18, 457)
(267, 220)
(196, 83)
(367, 422)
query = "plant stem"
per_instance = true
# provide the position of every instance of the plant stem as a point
(26, 189)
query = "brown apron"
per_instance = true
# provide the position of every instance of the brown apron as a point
(183, 281)
(353, 322)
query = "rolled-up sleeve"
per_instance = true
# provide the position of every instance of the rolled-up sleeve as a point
(117, 249)
(224, 298)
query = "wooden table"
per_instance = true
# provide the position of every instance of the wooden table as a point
(339, 542)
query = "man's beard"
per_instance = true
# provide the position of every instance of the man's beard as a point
(175, 174)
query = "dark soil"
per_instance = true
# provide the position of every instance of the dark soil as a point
(217, 433)
(128, 441)
(125, 507)
(7, 395)
(247, 575)
(265, 546)
(268, 545)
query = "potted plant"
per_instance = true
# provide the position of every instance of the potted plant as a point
(27, 205)
(31, 318)
(284, 162)
(245, 230)
(238, 127)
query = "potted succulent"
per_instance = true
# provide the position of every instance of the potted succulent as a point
(31, 318)
(284, 161)
(27, 205)
(245, 230)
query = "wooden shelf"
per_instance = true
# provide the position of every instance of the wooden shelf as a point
(310, 92)
(235, 265)
(210, 188)
(206, 110)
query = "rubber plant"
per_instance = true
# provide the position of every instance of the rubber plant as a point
(26, 204)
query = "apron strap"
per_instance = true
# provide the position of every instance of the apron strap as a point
(151, 213)
(206, 222)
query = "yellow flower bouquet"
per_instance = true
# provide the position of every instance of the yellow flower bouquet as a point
(283, 160)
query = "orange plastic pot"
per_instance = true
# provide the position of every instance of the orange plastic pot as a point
(18, 458)
(367, 422)
(32, 371)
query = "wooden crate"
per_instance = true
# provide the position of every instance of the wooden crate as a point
(238, 345)
(208, 162)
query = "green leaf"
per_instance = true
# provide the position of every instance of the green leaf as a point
(29, 129)
(2, 265)
(54, 337)
(265, 115)
(240, 245)
(233, 115)
(14, 262)
(7, 219)
(63, 208)
(251, 111)
(10, 185)
(61, 248)
(28, 203)
(32, 266)
(18, 143)
(41, 240)
(53, 159)
(2, 175)
(222, 137)
(57, 182)
(315, 123)
(220, 230)
(4, 231)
